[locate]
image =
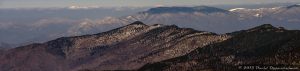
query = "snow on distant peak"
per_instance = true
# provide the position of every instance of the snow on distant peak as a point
(234, 9)
(82, 7)
(258, 15)
(276, 8)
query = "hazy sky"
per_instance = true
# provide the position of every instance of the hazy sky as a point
(135, 3)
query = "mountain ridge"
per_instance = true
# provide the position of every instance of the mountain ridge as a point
(265, 48)
(125, 48)
(204, 9)
(156, 47)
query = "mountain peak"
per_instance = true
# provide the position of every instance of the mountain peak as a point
(137, 23)
(265, 27)
(204, 9)
(260, 29)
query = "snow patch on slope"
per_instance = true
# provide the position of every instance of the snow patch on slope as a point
(234, 9)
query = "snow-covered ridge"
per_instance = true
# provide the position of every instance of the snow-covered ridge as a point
(234, 9)
(82, 7)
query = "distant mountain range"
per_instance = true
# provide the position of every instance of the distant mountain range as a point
(25, 26)
(207, 18)
(200, 18)
(132, 46)
(202, 9)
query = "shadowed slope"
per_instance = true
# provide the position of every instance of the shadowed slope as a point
(262, 45)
